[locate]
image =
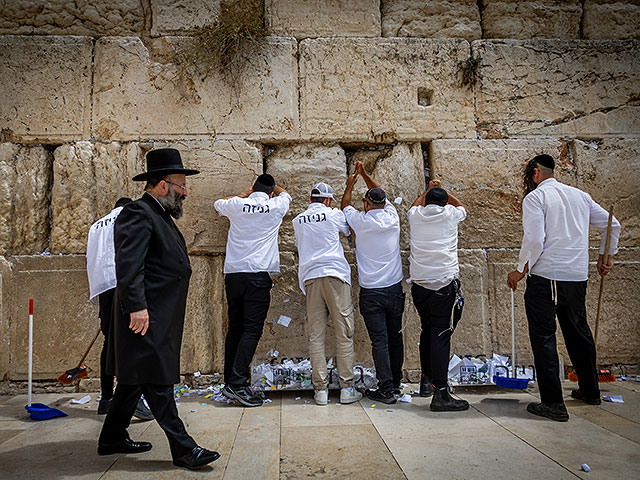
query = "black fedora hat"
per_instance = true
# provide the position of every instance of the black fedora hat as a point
(163, 161)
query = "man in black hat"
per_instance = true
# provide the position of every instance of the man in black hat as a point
(377, 232)
(152, 270)
(555, 253)
(251, 257)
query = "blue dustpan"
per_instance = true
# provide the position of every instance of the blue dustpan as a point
(513, 383)
(39, 411)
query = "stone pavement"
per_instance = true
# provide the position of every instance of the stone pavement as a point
(290, 439)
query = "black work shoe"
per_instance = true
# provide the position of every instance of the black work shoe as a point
(426, 388)
(443, 402)
(104, 406)
(242, 395)
(142, 411)
(124, 446)
(196, 458)
(381, 396)
(554, 411)
(578, 395)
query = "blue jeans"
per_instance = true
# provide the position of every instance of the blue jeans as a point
(382, 310)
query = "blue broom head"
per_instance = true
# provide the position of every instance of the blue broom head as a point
(39, 411)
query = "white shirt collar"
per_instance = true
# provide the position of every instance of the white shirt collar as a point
(259, 195)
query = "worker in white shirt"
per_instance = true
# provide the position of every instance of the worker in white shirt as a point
(325, 278)
(380, 275)
(556, 219)
(101, 272)
(252, 255)
(436, 292)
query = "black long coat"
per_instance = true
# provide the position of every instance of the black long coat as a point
(153, 271)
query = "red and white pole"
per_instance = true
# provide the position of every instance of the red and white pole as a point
(30, 350)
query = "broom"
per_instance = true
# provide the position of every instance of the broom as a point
(79, 372)
(604, 376)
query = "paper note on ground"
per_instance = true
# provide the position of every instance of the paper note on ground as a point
(284, 321)
(83, 400)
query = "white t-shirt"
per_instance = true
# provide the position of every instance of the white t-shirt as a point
(252, 243)
(433, 262)
(317, 231)
(556, 219)
(101, 255)
(377, 245)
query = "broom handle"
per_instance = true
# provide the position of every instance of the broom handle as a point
(606, 259)
(90, 345)
(30, 373)
(513, 336)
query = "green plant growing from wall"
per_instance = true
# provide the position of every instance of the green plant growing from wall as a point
(222, 45)
(469, 70)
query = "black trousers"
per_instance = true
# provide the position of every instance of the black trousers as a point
(163, 407)
(435, 308)
(248, 298)
(382, 310)
(105, 300)
(572, 317)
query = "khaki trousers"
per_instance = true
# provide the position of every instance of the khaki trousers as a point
(330, 297)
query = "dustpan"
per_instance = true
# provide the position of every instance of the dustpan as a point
(512, 382)
(37, 411)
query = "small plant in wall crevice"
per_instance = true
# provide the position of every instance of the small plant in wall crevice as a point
(469, 70)
(223, 45)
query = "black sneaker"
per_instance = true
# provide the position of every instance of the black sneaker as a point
(242, 395)
(104, 406)
(443, 402)
(142, 411)
(426, 388)
(578, 395)
(381, 396)
(554, 411)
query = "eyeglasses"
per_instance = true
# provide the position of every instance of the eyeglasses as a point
(183, 187)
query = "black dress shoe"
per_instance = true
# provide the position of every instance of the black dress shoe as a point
(196, 458)
(578, 395)
(554, 411)
(123, 446)
(443, 402)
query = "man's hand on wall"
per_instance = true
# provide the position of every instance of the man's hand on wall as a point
(139, 321)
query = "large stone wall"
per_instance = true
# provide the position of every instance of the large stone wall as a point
(90, 87)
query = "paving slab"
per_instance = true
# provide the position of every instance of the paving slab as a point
(569, 444)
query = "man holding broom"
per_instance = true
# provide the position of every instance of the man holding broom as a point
(153, 271)
(555, 253)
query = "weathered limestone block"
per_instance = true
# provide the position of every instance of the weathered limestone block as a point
(618, 338)
(172, 17)
(25, 179)
(45, 84)
(399, 170)
(525, 19)
(434, 19)
(61, 17)
(619, 329)
(611, 19)
(64, 319)
(486, 175)
(5, 338)
(323, 18)
(610, 173)
(473, 334)
(585, 89)
(204, 324)
(378, 90)
(141, 94)
(88, 179)
(297, 168)
(226, 167)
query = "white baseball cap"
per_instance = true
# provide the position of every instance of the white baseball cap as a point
(322, 190)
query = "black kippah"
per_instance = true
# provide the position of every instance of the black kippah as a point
(376, 196)
(266, 180)
(545, 161)
(437, 196)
